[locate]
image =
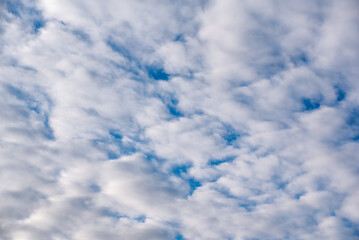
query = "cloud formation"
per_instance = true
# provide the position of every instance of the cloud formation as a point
(179, 120)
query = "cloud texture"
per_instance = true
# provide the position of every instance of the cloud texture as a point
(179, 119)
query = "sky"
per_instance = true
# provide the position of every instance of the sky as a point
(183, 120)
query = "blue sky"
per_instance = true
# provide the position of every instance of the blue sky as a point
(179, 119)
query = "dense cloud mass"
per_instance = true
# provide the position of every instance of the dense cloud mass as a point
(208, 119)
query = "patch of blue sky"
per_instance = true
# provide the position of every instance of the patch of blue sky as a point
(14, 63)
(171, 104)
(48, 133)
(353, 117)
(30, 14)
(230, 135)
(133, 67)
(310, 104)
(179, 237)
(116, 215)
(341, 94)
(153, 159)
(38, 24)
(119, 48)
(14, 7)
(116, 135)
(114, 146)
(351, 226)
(154, 71)
(125, 148)
(180, 170)
(215, 162)
(299, 195)
(173, 109)
(157, 73)
(193, 184)
(179, 38)
(242, 202)
(112, 214)
(278, 181)
(20, 94)
(225, 192)
(27, 68)
(300, 59)
(352, 120)
(95, 188)
(111, 155)
(282, 185)
(140, 219)
(34, 106)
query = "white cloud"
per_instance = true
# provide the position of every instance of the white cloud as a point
(187, 120)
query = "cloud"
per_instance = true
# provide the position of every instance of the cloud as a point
(186, 120)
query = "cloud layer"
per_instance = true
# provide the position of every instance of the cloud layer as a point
(179, 120)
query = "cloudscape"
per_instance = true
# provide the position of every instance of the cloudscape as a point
(183, 120)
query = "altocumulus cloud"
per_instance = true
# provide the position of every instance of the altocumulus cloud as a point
(179, 119)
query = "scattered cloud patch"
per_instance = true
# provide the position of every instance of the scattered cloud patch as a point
(179, 120)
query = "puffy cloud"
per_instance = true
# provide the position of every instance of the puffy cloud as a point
(186, 120)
